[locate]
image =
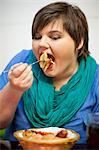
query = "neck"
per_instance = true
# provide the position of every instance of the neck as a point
(61, 80)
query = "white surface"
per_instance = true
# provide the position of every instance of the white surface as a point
(16, 19)
(54, 130)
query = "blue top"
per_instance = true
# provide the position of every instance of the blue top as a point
(77, 123)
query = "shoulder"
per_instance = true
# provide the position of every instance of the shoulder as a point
(96, 77)
(22, 56)
(95, 87)
(97, 69)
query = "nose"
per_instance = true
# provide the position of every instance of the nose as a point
(44, 43)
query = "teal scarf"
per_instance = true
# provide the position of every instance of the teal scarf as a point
(46, 107)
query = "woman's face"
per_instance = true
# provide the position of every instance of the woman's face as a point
(57, 42)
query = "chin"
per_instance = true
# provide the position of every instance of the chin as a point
(49, 73)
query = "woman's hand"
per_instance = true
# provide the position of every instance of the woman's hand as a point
(21, 76)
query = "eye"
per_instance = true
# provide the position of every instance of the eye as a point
(37, 37)
(55, 37)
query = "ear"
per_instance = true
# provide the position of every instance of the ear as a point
(80, 44)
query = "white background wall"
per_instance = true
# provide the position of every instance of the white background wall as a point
(16, 19)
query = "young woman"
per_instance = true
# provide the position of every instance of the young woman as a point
(61, 94)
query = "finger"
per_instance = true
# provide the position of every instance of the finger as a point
(27, 82)
(28, 78)
(28, 85)
(22, 85)
(15, 65)
(17, 71)
(26, 72)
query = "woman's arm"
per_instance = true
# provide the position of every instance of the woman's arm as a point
(9, 98)
(20, 80)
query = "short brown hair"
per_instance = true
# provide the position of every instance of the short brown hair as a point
(74, 22)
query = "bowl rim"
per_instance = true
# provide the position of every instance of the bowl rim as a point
(48, 141)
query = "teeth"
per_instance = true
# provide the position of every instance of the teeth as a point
(45, 61)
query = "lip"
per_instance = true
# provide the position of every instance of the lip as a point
(51, 67)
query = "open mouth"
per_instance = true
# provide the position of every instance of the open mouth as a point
(50, 57)
(46, 60)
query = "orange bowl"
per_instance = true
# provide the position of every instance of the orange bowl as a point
(46, 142)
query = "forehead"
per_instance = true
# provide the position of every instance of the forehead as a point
(54, 25)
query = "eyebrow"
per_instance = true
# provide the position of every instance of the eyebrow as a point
(55, 31)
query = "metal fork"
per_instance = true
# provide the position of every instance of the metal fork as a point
(5, 71)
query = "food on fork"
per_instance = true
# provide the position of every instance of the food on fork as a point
(45, 60)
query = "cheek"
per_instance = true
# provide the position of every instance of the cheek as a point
(64, 52)
(35, 49)
(64, 46)
(69, 50)
(34, 46)
(69, 54)
(66, 55)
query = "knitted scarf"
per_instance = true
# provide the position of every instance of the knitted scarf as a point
(46, 107)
